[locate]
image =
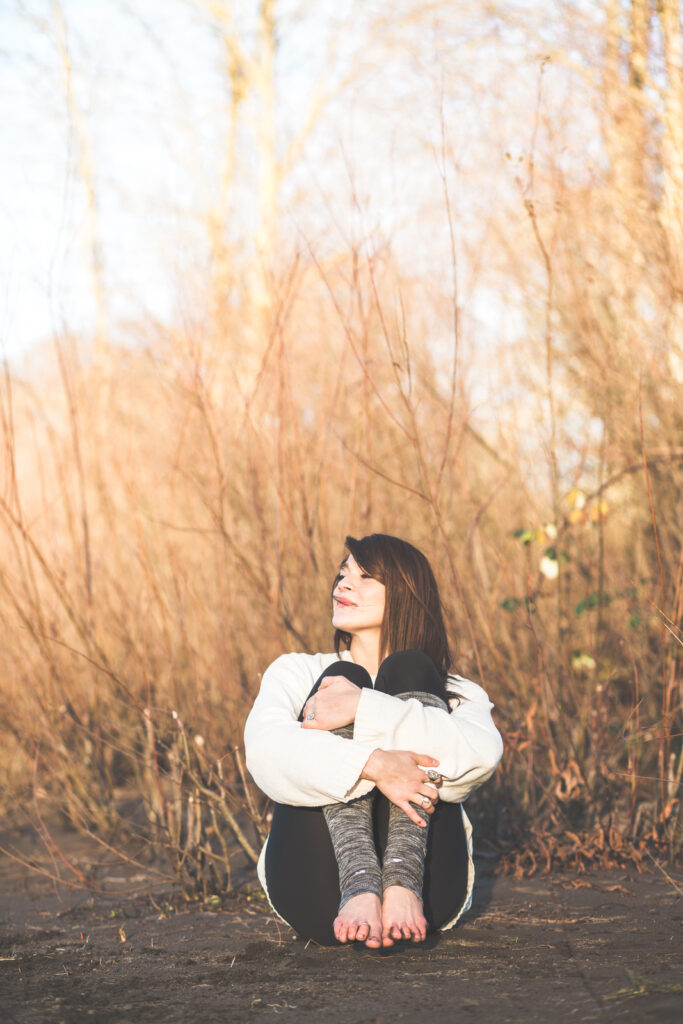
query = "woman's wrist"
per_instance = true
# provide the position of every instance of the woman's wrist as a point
(373, 766)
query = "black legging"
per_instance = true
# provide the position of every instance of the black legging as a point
(301, 868)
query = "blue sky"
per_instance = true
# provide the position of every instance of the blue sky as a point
(147, 77)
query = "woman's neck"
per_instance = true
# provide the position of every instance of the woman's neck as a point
(365, 651)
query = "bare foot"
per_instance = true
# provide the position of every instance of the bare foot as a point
(360, 920)
(402, 916)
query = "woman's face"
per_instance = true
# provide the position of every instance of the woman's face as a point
(357, 600)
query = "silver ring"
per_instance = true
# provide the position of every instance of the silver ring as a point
(310, 716)
(426, 801)
(432, 775)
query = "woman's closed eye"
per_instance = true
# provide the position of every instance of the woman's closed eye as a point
(343, 575)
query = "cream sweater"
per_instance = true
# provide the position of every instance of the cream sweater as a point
(310, 768)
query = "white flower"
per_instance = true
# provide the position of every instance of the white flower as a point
(549, 567)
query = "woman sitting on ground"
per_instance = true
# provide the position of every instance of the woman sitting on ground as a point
(368, 753)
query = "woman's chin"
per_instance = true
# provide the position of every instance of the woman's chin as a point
(346, 621)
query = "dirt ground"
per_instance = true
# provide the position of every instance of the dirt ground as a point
(603, 947)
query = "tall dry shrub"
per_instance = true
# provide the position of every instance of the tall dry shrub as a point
(602, 281)
(173, 515)
(173, 526)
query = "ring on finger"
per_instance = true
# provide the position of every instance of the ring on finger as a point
(425, 801)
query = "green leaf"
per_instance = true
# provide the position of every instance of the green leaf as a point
(592, 601)
(526, 536)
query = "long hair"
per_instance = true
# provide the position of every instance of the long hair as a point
(413, 619)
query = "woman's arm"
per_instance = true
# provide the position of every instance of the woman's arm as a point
(293, 765)
(466, 743)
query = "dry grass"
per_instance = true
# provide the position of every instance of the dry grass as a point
(171, 524)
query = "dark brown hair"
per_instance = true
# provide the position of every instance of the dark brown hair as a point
(413, 619)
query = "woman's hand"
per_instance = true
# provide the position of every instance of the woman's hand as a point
(397, 773)
(334, 704)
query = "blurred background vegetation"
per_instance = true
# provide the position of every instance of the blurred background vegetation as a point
(409, 267)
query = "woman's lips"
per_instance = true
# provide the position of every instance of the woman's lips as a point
(344, 603)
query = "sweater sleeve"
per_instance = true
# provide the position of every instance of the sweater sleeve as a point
(466, 743)
(292, 765)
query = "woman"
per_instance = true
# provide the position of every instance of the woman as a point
(372, 718)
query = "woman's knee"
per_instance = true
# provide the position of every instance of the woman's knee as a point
(354, 673)
(406, 671)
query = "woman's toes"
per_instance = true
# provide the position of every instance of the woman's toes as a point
(402, 915)
(359, 920)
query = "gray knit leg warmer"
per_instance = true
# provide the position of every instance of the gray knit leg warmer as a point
(404, 856)
(351, 831)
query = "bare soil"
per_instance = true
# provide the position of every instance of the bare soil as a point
(602, 947)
